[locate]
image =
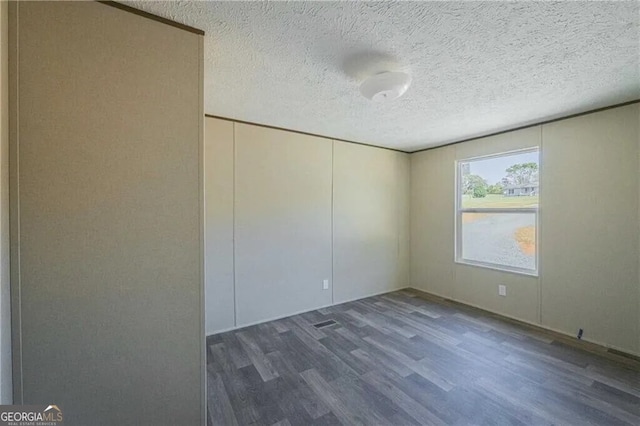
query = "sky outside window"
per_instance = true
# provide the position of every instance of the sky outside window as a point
(493, 169)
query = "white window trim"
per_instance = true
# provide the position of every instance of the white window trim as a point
(459, 211)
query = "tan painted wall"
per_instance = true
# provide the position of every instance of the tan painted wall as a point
(589, 238)
(218, 190)
(305, 210)
(432, 221)
(106, 215)
(403, 202)
(369, 221)
(282, 223)
(590, 247)
(433, 230)
(5, 296)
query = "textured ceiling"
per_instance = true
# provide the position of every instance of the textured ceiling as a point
(477, 67)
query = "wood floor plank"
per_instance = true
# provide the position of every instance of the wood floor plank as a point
(536, 411)
(262, 396)
(238, 391)
(343, 351)
(365, 401)
(219, 408)
(401, 359)
(428, 395)
(289, 403)
(219, 359)
(298, 388)
(414, 366)
(326, 393)
(625, 379)
(280, 326)
(476, 407)
(421, 414)
(586, 396)
(329, 419)
(546, 371)
(620, 399)
(238, 355)
(412, 308)
(266, 336)
(325, 360)
(295, 352)
(389, 305)
(379, 321)
(566, 410)
(257, 357)
(308, 327)
(362, 319)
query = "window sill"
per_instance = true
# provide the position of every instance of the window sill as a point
(517, 271)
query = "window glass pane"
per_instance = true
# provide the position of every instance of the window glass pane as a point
(503, 239)
(508, 181)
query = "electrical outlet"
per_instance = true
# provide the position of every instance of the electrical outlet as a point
(325, 284)
(502, 290)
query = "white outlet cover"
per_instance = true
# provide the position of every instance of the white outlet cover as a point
(502, 290)
(325, 284)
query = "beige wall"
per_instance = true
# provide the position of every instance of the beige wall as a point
(433, 228)
(5, 297)
(300, 209)
(589, 237)
(589, 246)
(369, 221)
(403, 202)
(106, 215)
(218, 190)
(432, 221)
(282, 223)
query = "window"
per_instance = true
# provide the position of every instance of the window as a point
(497, 211)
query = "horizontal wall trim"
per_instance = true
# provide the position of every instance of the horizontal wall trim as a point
(152, 16)
(303, 133)
(563, 337)
(566, 117)
(540, 123)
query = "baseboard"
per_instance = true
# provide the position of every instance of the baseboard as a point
(370, 295)
(586, 344)
(240, 327)
(559, 335)
(624, 354)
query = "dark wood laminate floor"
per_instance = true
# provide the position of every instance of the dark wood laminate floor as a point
(401, 359)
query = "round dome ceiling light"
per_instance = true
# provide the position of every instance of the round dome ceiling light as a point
(385, 86)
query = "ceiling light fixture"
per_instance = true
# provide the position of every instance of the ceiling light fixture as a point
(385, 86)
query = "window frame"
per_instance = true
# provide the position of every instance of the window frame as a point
(459, 211)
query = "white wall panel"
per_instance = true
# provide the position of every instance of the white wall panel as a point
(288, 190)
